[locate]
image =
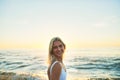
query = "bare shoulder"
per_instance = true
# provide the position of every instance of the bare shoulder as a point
(56, 71)
(57, 65)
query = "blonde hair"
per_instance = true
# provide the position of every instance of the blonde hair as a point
(51, 57)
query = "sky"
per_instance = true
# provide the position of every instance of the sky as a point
(79, 23)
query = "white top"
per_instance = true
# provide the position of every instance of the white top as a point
(63, 72)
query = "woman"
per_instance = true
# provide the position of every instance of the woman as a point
(56, 69)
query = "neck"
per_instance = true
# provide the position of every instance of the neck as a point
(59, 59)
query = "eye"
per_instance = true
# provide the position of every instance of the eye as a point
(60, 46)
(54, 47)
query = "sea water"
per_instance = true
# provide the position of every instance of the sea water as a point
(80, 63)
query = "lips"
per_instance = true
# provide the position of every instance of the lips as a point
(59, 53)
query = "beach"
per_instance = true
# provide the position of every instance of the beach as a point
(81, 64)
(14, 76)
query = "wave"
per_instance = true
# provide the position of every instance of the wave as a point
(11, 63)
(108, 63)
(107, 66)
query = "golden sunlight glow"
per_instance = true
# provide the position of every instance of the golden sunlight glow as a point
(79, 25)
(72, 44)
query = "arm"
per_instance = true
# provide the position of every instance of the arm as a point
(56, 71)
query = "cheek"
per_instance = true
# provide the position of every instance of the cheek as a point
(54, 50)
(63, 48)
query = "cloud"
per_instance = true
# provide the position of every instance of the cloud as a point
(100, 24)
(107, 21)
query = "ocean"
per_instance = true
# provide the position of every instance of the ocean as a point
(83, 63)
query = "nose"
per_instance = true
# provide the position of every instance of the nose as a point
(59, 48)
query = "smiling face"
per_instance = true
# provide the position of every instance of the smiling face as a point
(58, 49)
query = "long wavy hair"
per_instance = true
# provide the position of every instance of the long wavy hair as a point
(51, 57)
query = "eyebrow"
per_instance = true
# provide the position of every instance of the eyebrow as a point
(58, 45)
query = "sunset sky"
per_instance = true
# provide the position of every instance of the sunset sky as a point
(79, 23)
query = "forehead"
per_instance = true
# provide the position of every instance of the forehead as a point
(57, 43)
